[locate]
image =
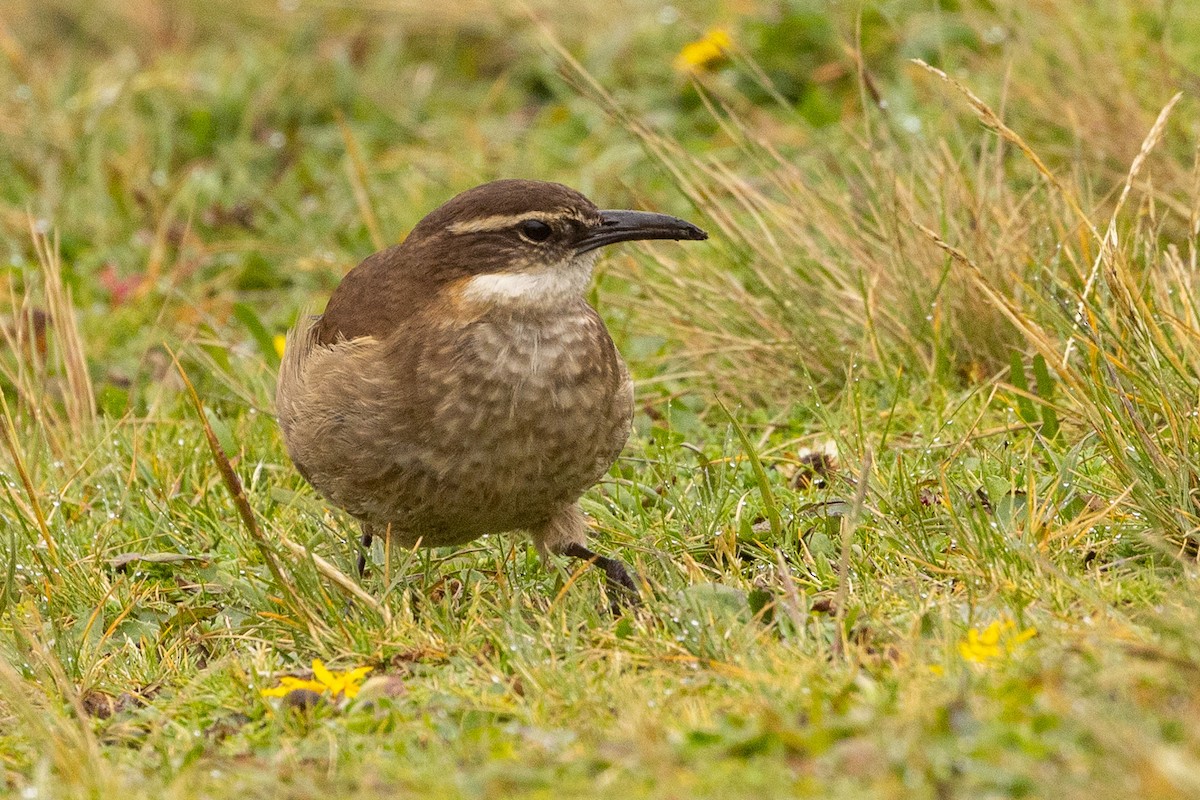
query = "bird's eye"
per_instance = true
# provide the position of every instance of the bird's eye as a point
(535, 231)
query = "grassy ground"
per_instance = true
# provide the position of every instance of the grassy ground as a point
(914, 477)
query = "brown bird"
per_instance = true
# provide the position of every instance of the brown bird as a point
(459, 384)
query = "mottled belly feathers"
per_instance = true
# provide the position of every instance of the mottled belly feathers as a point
(447, 431)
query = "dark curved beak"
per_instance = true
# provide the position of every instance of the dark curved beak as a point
(628, 226)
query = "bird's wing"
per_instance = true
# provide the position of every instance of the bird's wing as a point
(376, 298)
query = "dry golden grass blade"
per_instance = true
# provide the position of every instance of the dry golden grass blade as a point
(1034, 333)
(66, 740)
(246, 512)
(35, 506)
(849, 525)
(1108, 244)
(14, 52)
(339, 578)
(14, 451)
(791, 596)
(993, 121)
(79, 397)
(26, 369)
(356, 171)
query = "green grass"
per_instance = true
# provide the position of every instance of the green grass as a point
(982, 294)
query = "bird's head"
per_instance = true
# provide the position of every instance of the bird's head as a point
(509, 245)
(528, 244)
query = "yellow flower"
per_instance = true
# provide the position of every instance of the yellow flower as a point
(324, 681)
(995, 641)
(701, 54)
(280, 341)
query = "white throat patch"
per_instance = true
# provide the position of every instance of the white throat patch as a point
(544, 288)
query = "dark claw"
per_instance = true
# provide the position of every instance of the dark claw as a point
(621, 585)
(364, 548)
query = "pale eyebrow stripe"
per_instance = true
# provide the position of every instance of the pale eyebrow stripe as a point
(499, 222)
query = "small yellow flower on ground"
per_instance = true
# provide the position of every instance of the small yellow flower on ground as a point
(324, 681)
(704, 52)
(995, 641)
(280, 342)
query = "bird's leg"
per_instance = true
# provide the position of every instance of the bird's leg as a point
(617, 576)
(566, 534)
(368, 537)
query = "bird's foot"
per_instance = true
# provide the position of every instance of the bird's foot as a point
(621, 586)
(364, 547)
